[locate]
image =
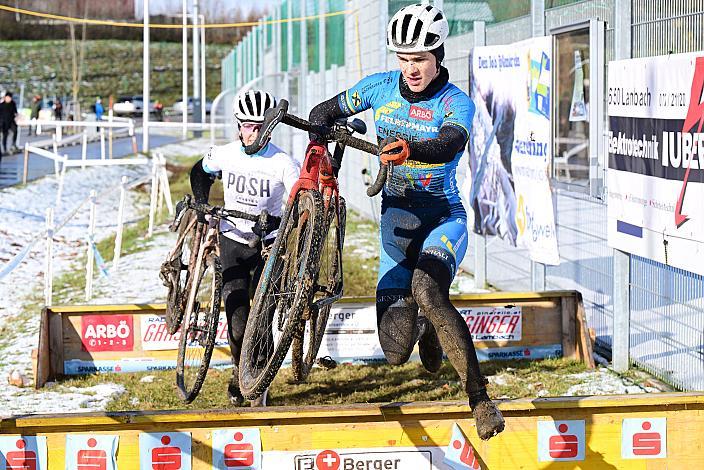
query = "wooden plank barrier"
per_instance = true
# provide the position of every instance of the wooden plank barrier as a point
(127, 338)
(655, 431)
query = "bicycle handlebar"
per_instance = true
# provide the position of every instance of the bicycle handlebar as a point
(273, 116)
(221, 212)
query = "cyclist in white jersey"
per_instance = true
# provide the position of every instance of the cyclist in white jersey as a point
(252, 183)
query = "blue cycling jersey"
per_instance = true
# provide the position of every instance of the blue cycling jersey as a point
(395, 116)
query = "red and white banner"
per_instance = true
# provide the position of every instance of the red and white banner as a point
(23, 453)
(86, 452)
(237, 448)
(155, 336)
(561, 440)
(494, 323)
(165, 451)
(107, 333)
(644, 438)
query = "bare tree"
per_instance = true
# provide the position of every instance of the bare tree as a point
(77, 61)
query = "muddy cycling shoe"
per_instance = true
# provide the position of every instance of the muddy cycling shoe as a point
(259, 401)
(234, 394)
(429, 345)
(488, 419)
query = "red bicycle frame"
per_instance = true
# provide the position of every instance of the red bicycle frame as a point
(317, 174)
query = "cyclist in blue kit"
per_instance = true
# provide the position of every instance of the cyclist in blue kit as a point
(423, 124)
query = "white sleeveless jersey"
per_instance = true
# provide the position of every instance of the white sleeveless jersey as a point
(252, 183)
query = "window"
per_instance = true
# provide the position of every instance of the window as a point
(572, 98)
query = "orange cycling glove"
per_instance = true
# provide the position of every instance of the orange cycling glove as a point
(394, 150)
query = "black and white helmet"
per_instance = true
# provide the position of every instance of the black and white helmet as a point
(417, 28)
(251, 104)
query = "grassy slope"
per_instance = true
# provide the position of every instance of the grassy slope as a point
(112, 68)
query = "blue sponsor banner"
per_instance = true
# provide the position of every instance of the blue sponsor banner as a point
(81, 367)
(520, 352)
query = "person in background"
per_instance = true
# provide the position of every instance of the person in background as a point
(36, 107)
(159, 110)
(99, 110)
(8, 113)
(58, 109)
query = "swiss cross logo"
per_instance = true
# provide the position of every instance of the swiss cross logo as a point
(91, 452)
(644, 438)
(421, 113)
(460, 454)
(23, 453)
(237, 449)
(107, 333)
(561, 440)
(328, 460)
(165, 451)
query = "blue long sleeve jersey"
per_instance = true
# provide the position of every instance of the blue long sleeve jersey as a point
(414, 122)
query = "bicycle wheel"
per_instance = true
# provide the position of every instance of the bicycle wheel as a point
(200, 327)
(306, 342)
(282, 294)
(174, 271)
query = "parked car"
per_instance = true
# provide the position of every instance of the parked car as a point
(131, 105)
(178, 106)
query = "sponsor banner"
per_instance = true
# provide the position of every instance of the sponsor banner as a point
(460, 454)
(138, 364)
(391, 458)
(107, 333)
(655, 145)
(237, 448)
(644, 438)
(511, 150)
(520, 352)
(165, 451)
(352, 334)
(493, 323)
(561, 440)
(23, 453)
(155, 336)
(91, 452)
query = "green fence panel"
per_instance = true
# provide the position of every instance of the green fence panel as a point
(283, 44)
(313, 35)
(296, 29)
(335, 35)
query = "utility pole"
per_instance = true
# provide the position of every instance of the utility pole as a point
(145, 81)
(184, 77)
(196, 67)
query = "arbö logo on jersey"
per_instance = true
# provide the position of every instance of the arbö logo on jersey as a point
(421, 113)
(107, 332)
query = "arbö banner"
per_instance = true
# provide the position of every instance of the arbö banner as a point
(656, 158)
(510, 147)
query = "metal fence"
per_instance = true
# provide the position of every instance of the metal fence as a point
(667, 322)
(667, 305)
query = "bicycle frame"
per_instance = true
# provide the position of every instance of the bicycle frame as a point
(317, 174)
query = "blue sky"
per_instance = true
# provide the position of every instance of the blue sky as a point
(174, 6)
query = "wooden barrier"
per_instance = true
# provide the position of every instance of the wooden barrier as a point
(114, 338)
(624, 432)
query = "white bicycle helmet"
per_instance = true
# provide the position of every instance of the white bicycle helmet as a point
(417, 28)
(250, 105)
